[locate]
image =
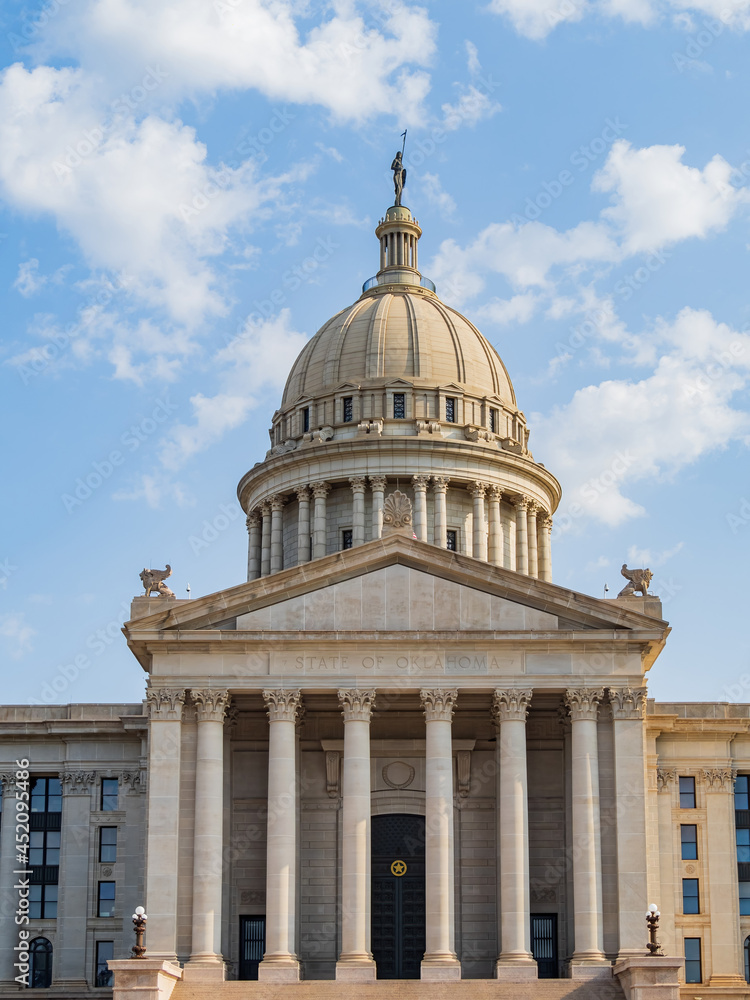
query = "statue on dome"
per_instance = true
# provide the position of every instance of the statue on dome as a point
(399, 176)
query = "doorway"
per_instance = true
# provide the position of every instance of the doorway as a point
(252, 946)
(544, 944)
(398, 895)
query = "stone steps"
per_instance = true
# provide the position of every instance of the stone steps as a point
(404, 989)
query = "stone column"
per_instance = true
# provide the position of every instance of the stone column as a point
(522, 547)
(545, 548)
(206, 960)
(515, 963)
(265, 539)
(355, 962)
(69, 967)
(8, 928)
(588, 956)
(420, 506)
(440, 961)
(439, 489)
(253, 547)
(479, 548)
(727, 958)
(303, 525)
(630, 795)
(320, 492)
(531, 538)
(667, 792)
(162, 852)
(377, 485)
(277, 533)
(509, 551)
(358, 484)
(280, 963)
(494, 496)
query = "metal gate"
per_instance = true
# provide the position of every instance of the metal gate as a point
(252, 945)
(544, 944)
(398, 900)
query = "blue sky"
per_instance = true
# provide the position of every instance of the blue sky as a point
(189, 190)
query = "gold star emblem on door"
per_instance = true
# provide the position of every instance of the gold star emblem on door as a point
(398, 868)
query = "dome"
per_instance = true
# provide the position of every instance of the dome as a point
(395, 331)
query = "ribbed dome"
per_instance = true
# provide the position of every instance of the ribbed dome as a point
(398, 333)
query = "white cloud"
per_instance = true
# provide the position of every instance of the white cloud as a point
(432, 189)
(473, 105)
(518, 309)
(472, 58)
(29, 279)
(613, 439)
(644, 558)
(255, 362)
(354, 66)
(17, 634)
(536, 18)
(659, 200)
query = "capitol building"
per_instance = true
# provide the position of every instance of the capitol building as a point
(399, 751)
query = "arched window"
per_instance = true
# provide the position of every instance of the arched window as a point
(40, 964)
(747, 959)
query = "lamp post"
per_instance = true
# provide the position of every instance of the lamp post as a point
(139, 923)
(652, 922)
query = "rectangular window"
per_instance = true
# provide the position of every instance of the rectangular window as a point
(493, 421)
(452, 540)
(690, 901)
(450, 410)
(399, 406)
(43, 901)
(306, 420)
(108, 844)
(743, 846)
(106, 900)
(741, 792)
(745, 899)
(689, 838)
(46, 795)
(687, 793)
(105, 951)
(110, 788)
(693, 971)
(44, 847)
(346, 538)
(348, 409)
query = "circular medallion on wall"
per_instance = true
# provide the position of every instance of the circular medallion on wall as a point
(106, 872)
(690, 869)
(398, 774)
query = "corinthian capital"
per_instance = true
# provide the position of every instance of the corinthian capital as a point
(210, 706)
(521, 504)
(440, 483)
(77, 782)
(282, 706)
(277, 501)
(358, 483)
(438, 704)
(627, 703)
(511, 705)
(477, 489)
(420, 483)
(253, 519)
(165, 704)
(377, 484)
(356, 705)
(584, 703)
(320, 490)
(303, 494)
(495, 494)
(719, 779)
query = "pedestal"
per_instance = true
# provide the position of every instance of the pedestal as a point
(651, 977)
(144, 978)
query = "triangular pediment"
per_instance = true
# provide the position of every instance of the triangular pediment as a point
(396, 584)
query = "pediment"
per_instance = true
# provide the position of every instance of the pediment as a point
(396, 584)
(398, 383)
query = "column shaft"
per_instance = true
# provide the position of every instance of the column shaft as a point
(355, 963)
(277, 533)
(440, 488)
(358, 484)
(531, 542)
(522, 548)
(479, 548)
(440, 961)
(253, 546)
(70, 968)
(420, 506)
(377, 485)
(515, 962)
(496, 527)
(280, 963)
(208, 831)
(320, 492)
(303, 525)
(545, 548)
(265, 540)
(587, 876)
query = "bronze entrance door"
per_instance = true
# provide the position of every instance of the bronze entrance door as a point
(398, 905)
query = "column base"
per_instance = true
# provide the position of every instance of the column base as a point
(205, 970)
(353, 970)
(440, 970)
(593, 968)
(279, 970)
(519, 970)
